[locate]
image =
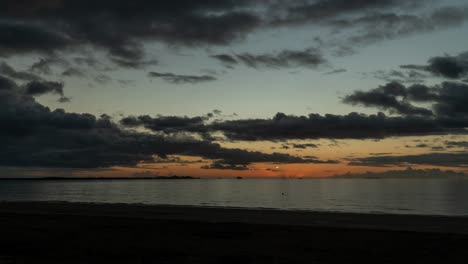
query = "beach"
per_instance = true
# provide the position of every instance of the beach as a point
(63, 232)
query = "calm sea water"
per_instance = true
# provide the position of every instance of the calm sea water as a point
(401, 196)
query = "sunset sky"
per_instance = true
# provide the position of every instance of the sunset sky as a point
(225, 88)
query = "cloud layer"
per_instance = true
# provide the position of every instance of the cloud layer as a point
(308, 58)
(451, 67)
(179, 79)
(285, 127)
(34, 136)
(432, 159)
(63, 32)
(122, 29)
(449, 99)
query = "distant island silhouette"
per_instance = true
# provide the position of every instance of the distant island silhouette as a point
(107, 178)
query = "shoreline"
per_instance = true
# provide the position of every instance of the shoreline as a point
(268, 216)
(63, 232)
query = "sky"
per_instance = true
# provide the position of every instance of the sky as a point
(224, 88)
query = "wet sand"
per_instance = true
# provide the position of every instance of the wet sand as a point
(39, 232)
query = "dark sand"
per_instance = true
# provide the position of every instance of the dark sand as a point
(97, 233)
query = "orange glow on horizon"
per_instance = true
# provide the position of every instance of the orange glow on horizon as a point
(341, 151)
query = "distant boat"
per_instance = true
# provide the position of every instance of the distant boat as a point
(239, 178)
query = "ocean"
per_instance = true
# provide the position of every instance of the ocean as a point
(393, 196)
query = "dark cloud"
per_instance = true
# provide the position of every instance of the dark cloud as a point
(36, 88)
(43, 66)
(46, 65)
(64, 99)
(377, 26)
(353, 125)
(10, 72)
(284, 127)
(452, 99)
(337, 71)
(34, 136)
(451, 67)
(135, 64)
(174, 159)
(244, 157)
(226, 59)
(438, 148)
(238, 159)
(304, 146)
(449, 99)
(6, 85)
(456, 144)
(422, 145)
(309, 58)
(433, 159)
(446, 114)
(221, 166)
(302, 12)
(167, 124)
(20, 114)
(23, 37)
(392, 97)
(180, 79)
(120, 27)
(359, 23)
